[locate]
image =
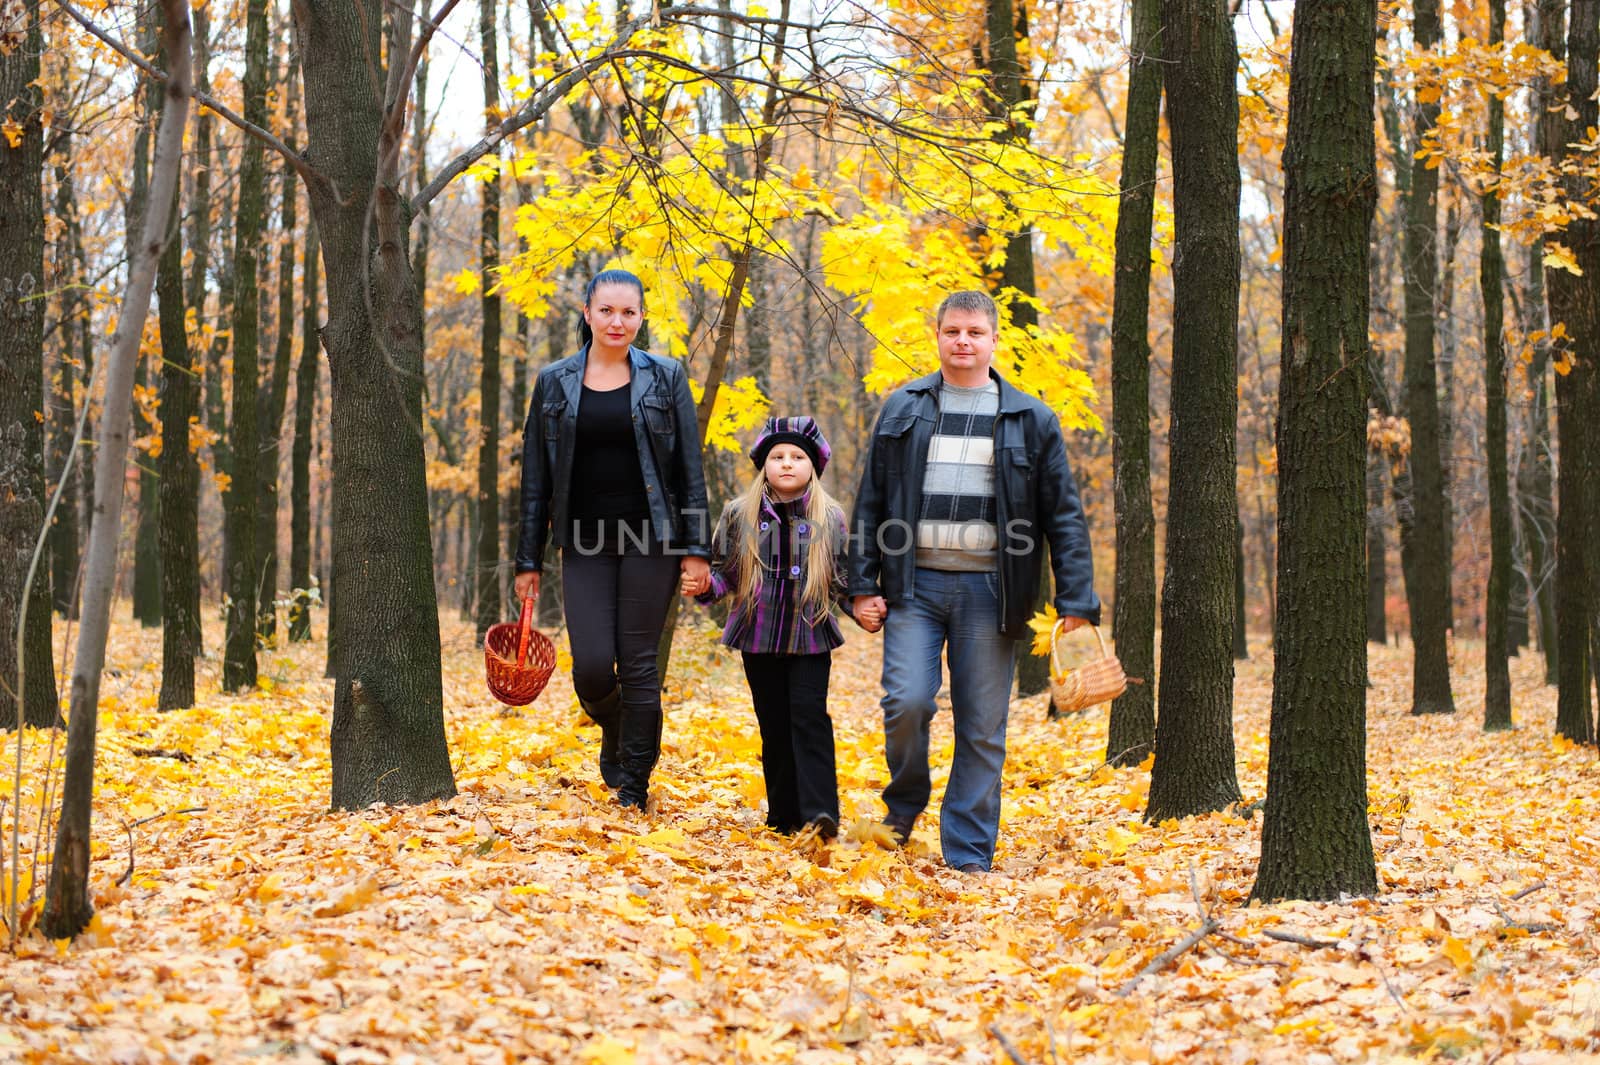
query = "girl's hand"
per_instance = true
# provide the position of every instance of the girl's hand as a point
(696, 579)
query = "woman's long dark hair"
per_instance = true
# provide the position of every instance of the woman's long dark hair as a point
(608, 277)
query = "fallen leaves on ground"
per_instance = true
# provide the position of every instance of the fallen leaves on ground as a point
(531, 918)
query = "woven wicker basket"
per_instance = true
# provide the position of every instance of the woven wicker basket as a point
(1088, 685)
(518, 659)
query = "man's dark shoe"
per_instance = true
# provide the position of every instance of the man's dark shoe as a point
(971, 867)
(607, 714)
(826, 826)
(901, 828)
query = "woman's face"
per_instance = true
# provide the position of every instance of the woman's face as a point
(615, 313)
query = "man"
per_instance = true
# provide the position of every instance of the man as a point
(965, 480)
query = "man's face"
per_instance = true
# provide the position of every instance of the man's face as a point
(966, 344)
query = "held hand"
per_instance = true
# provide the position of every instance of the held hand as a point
(527, 585)
(696, 578)
(869, 611)
(1068, 622)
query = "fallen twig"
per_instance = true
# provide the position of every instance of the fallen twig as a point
(131, 825)
(1292, 937)
(1529, 890)
(1167, 956)
(1246, 961)
(1005, 1045)
(169, 813)
(1535, 927)
(161, 752)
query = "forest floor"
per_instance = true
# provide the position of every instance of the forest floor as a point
(530, 918)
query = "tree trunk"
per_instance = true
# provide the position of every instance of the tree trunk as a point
(25, 620)
(1569, 305)
(1377, 551)
(305, 405)
(1315, 843)
(1422, 539)
(180, 486)
(65, 533)
(1444, 315)
(147, 535)
(1537, 505)
(1194, 766)
(388, 740)
(1491, 269)
(67, 907)
(487, 570)
(1578, 450)
(1539, 497)
(275, 400)
(243, 553)
(1241, 636)
(1131, 729)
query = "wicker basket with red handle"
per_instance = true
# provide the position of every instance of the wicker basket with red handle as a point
(1088, 685)
(518, 659)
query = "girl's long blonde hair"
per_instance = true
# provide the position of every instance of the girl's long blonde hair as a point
(822, 515)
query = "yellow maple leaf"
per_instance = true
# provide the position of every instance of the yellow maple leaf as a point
(1043, 625)
(13, 131)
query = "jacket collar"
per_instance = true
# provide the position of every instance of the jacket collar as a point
(1012, 399)
(640, 374)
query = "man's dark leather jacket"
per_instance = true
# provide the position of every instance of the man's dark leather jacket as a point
(665, 429)
(1035, 496)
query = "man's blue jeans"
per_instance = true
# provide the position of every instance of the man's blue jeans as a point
(961, 610)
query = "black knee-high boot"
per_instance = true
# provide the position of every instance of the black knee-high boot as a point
(641, 746)
(607, 713)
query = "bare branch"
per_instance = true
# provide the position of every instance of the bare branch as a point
(267, 137)
(1294, 937)
(1168, 956)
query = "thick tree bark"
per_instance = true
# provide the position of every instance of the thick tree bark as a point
(305, 405)
(387, 741)
(1131, 730)
(180, 486)
(25, 619)
(1194, 767)
(1491, 270)
(1570, 302)
(275, 400)
(67, 907)
(1581, 408)
(1422, 538)
(487, 570)
(1315, 843)
(243, 555)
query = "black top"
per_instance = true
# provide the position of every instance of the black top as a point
(607, 483)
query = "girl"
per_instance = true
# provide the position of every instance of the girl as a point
(780, 551)
(611, 475)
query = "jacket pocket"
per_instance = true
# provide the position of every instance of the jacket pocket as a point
(890, 443)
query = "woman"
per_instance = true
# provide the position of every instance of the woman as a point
(611, 475)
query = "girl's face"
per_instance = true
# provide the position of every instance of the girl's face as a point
(788, 471)
(615, 313)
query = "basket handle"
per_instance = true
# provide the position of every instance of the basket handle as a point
(527, 630)
(1055, 646)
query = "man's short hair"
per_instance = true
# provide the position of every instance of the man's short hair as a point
(969, 300)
